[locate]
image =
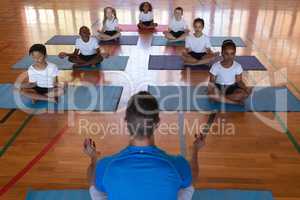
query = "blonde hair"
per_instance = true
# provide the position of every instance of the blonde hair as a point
(114, 12)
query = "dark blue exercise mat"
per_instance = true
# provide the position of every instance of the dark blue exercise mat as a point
(175, 62)
(232, 195)
(198, 195)
(124, 40)
(192, 98)
(162, 41)
(216, 41)
(79, 194)
(70, 40)
(82, 98)
(113, 63)
(165, 62)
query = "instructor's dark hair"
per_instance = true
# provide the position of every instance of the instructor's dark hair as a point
(39, 48)
(228, 44)
(142, 115)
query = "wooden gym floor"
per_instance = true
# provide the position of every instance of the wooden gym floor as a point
(262, 153)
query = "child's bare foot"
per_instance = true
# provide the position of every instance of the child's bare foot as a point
(93, 65)
(52, 99)
(105, 55)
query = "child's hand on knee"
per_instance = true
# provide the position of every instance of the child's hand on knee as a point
(62, 55)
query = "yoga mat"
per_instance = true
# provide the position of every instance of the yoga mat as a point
(198, 195)
(165, 62)
(134, 28)
(82, 98)
(70, 40)
(58, 195)
(192, 98)
(174, 62)
(113, 63)
(232, 195)
(124, 40)
(216, 41)
(162, 41)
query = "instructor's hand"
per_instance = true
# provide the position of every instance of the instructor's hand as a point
(199, 141)
(89, 148)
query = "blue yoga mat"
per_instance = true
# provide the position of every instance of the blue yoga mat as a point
(58, 195)
(198, 195)
(70, 40)
(216, 41)
(192, 98)
(232, 195)
(113, 63)
(83, 98)
(175, 62)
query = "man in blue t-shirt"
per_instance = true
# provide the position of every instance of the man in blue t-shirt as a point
(142, 171)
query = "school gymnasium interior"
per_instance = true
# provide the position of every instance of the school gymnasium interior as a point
(254, 149)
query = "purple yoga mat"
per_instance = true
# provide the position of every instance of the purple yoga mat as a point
(165, 62)
(174, 62)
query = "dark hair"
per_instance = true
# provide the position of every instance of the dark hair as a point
(179, 8)
(199, 20)
(142, 5)
(142, 115)
(39, 48)
(83, 27)
(228, 44)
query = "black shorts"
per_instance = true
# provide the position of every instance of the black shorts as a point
(227, 89)
(177, 34)
(110, 33)
(41, 90)
(197, 56)
(87, 58)
(147, 23)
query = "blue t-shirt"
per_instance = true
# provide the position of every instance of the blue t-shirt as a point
(145, 173)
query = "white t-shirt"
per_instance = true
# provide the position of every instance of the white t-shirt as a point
(197, 44)
(87, 48)
(111, 25)
(146, 17)
(43, 78)
(176, 26)
(226, 76)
